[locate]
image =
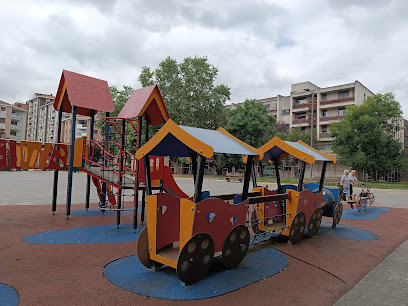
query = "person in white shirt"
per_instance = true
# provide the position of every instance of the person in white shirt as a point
(353, 180)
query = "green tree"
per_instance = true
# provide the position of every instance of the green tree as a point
(189, 91)
(365, 139)
(250, 123)
(2, 134)
(296, 134)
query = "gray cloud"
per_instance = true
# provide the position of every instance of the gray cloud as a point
(260, 47)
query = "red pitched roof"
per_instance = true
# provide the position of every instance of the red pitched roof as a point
(84, 92)
(146, 101)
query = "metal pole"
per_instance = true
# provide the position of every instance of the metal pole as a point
(105, 161)
(71, 161)
(311, 135)
(121, 170)
(138, 145)
(247, 177)
(55, 187)
(88, 177)
(301, 176)
(199, 181)
(278, 181)
(146, 161)
(322, 176)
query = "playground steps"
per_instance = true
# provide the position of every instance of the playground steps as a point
(128, 182)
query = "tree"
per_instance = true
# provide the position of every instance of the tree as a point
(365, 139)
(189, 91)
(250, 123)
(2, 134)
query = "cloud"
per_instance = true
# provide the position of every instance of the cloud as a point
(260, 47)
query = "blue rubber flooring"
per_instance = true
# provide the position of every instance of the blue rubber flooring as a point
(95, 212)
(345, 232)
(371, 213)
(90, 234)
(128, 273)
(8, 296)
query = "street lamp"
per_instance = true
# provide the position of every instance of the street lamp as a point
(311, 128)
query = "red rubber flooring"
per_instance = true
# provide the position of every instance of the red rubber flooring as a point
(320, 269)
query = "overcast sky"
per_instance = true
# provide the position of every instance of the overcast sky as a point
(260, 47)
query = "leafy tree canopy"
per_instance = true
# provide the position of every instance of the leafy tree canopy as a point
(189, 91)
(365, 139)
(250, 123)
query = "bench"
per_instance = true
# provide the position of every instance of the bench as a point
(234, 175)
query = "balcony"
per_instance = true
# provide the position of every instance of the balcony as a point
(2, 126)
(351, 99)
(332, 118)
(15, 127)
(301, 121)
(15, 137)
(16, 116)
(325, 136)
(3, 114)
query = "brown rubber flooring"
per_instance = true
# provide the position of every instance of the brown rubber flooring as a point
(320, 269)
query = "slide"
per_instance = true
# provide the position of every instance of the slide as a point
(170, 186)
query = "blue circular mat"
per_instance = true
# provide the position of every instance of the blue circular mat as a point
(345, 232)
(90, 234)
(8, 296)
(371, 213)
(95, 212)
(128, 273)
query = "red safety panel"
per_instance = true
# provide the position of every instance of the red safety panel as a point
(168, 220)
(215, 217)
(13, 154)
(274, 208)
(3, 154)
(61, 154)
(156, 168)
(308, 202)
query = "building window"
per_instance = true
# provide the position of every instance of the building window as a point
(324, 129)
(301, 116)
(324, 113)
(300, 101)
(342, 111)
(285, 111)
(343, 94)
(268, 107)
(324, 97)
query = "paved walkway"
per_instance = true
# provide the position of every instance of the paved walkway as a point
(386, 284)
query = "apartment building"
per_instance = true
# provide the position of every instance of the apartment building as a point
(13, 120)
(42, 118)
(82, 129)
(329, 103)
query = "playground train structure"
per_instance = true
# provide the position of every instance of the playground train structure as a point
(182, 232)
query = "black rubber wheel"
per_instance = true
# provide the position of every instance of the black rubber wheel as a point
(338, 212)
(314, 222)
(195, 258)
(143, 249)
(235, 246)
(297, 228)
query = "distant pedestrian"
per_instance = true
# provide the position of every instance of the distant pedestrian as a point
(353, 180)
(345, 181)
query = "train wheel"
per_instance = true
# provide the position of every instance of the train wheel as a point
(338, 212)
(143, 249)
(297, 228)
(314, 222)
(235, 246)
(195, 258)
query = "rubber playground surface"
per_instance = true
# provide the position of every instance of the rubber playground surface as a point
(78, 271)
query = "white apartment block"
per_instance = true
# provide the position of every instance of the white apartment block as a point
(329, 105)
(13, 120)
(42, 118)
